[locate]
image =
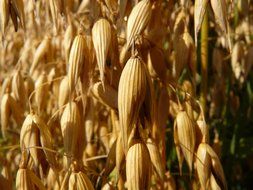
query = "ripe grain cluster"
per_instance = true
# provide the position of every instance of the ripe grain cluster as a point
(91, 90)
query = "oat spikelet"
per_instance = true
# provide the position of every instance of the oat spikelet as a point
(27, 180)
(68, 40)
(199, 12)
(107, 95)
(4, 15)
(46, 140)
(156, 158)
(138, 167)
(219, 8)
(63, 92)
(138, 20)
(78, 180)
(186, 136)
(203, 164)
(5, 114)
(54, 12)
(22, 180)
(237, 60)
(18, 88)
(76, 60)
(83, 182)
(179, 152)
(131, 95)
(101, 37)
(40, 52)
(41, 91)
(29, 137)
(70, 126)
(217, 170)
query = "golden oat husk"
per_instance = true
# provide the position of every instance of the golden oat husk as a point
(23, 181)
(137, 21)
(4, 15)
(203, 165)
(214, 184)
(162, 113)
(41, 91)
(40, 53)
(173, 108)
(217, 144)
(91, 150)
(216, 168)
(180, 23)
(115, 126)
(76, 60)
(179, 152)
(17, 111)
(70, 127)
(83, 182)
(63, 92)
(202, 131)
(73, 181)
(124, 55)
(27, 180)
(105, 94)
(104, 135)
(54, 9)
(131, 95)
(84, 6)
(65, 181)
(138, 170)
(156, 158)
(78, 180)
(6, 86)
(185, 127)
(46, 141)
(29, 137)
(5, 114)
(28, 86)
(51, 180)
(200, 7)
(219, 9)
(101, 37)
(156, 64)
(184, 53)
(68, 40)
(90, 120)
(35, 180)
(18, 88)
(237, 60)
